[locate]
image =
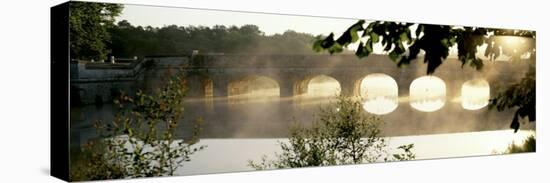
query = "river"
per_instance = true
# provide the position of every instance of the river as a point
(236, 130)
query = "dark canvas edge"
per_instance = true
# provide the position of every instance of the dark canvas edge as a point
(59, 88)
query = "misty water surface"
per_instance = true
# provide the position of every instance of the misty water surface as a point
(247, 126)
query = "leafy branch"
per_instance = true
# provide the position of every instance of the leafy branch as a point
(141, 139)
(436, 41)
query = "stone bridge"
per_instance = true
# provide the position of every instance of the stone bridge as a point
(220, 75)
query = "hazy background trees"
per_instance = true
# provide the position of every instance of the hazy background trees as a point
(129, 40)
(94, 34)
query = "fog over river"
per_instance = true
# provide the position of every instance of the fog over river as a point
(247, 126)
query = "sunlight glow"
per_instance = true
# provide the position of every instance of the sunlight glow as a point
(511, 41)
(254, 87)
(323, 86)
(427, 93)
(475, 94)
(513, 45)
(380, 93)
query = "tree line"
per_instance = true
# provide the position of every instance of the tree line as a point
(96, 35)
(129, 40)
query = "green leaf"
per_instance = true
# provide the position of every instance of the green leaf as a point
(409, 37)
(362, 51)
(368, 46)
(350, 35)
(371, 25)
(374, 37)
(335, 48)
(401, 47)
(317, 46)
(328, 41)
(345, 38)
(404, 37)
(394, 55)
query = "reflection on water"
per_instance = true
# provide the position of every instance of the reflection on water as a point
(255, 96)
(380, 93)
(380, 105)
(258, 93)
(270, 117)
(235, 132)
(236, 152)
(475, 94)
(428, 105)
(427, 93)
(248, 124)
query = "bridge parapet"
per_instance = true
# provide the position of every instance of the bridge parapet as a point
(288, 70)
(86, 71)
(284, 61)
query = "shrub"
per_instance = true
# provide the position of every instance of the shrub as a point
(343, 133)
(140, 141)
(528, 145)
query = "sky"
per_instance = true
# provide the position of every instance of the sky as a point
(268, 23)
(160, 16)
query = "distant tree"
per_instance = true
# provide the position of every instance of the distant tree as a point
(289, 42)
(129, 41)
(436, 41)
(343, 134)
(88, 23)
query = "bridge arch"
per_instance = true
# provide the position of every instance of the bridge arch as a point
(428, 93)
(199, 86)
(475, 94)
(253, 86)
(320, 85)
(379, 93)
(208, 87)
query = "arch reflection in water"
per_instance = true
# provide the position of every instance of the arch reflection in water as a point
(380, 92)
(427, 93)
(475, 94)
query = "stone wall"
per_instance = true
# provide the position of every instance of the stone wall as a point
(100, 82)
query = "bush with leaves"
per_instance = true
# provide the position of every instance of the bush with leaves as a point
(342, 134)
(521, 95)
(141, 140)
(528, 145)
(90, 163)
